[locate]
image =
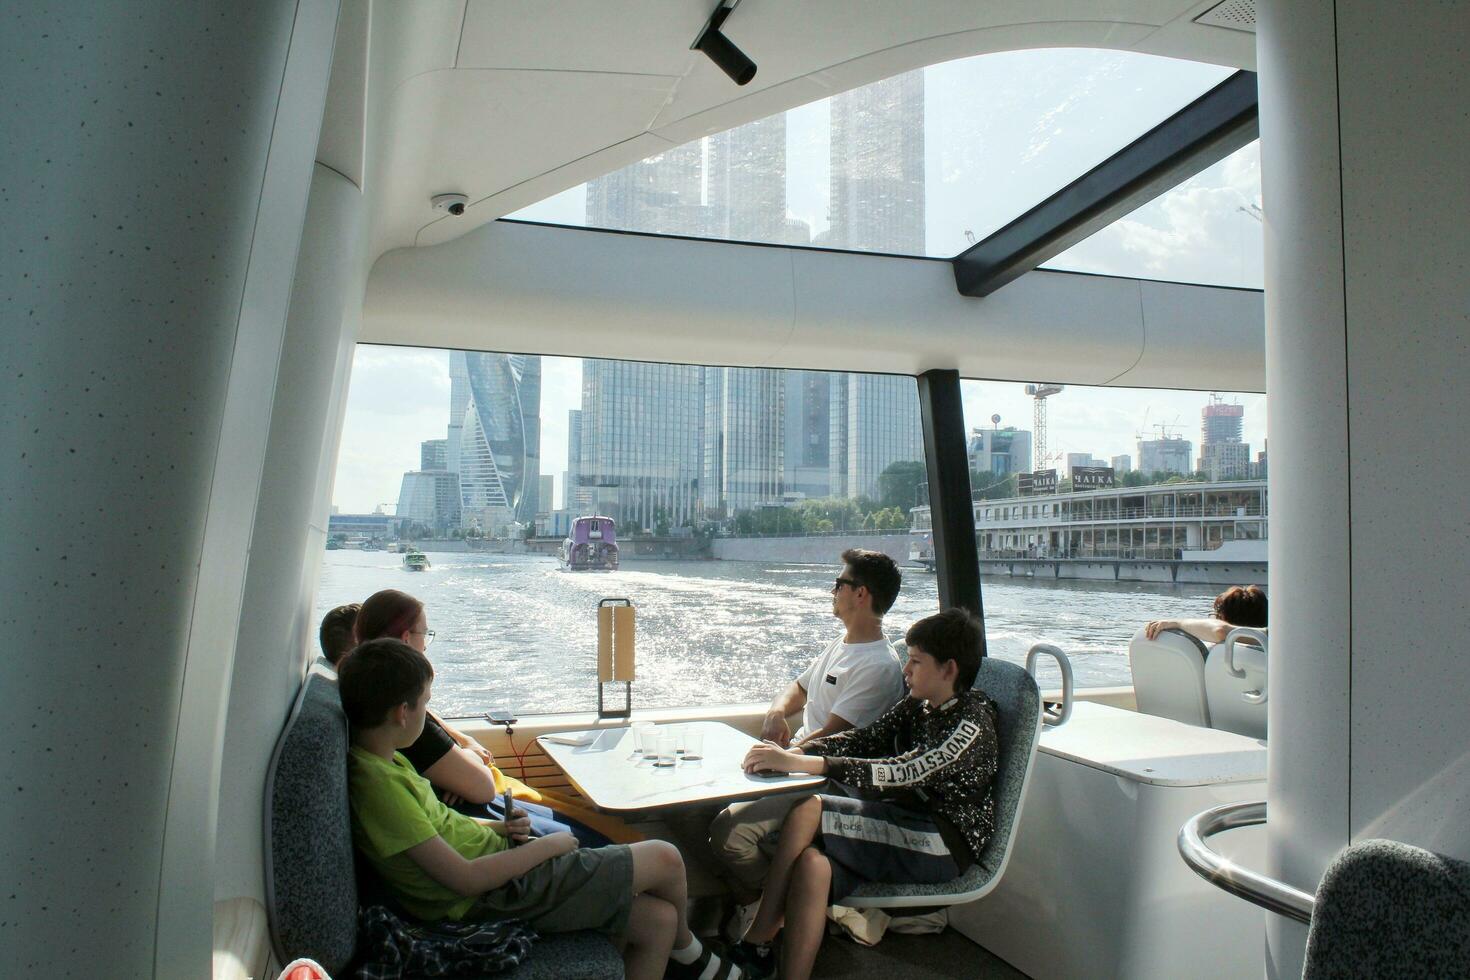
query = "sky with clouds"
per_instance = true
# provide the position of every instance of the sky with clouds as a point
(1002, 131)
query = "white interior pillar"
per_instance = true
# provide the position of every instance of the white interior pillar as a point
(277, 631)
(1363, 138)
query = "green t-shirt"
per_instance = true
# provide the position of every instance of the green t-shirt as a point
(394, 809)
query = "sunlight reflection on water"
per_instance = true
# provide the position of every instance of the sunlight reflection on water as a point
(517, 630)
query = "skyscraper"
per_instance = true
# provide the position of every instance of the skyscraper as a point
(433, 454)
(744, 444)
(1170, 454)
(1222, 454)
(663, 194)
(459, 397)
(575, 496)
(745, 185)
(641, 429)
(807, 449)
(499, 453)
(877, 167)
(875, 423)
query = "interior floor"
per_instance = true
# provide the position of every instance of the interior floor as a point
(946, 955)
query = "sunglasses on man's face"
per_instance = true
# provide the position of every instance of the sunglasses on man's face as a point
(844, 580)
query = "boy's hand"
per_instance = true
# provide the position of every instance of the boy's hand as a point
(767, 757)
(562, 843)
(518, 827)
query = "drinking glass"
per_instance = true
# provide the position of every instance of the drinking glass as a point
(644, 734)
(693, 745)
(678, 731)
(667, 754)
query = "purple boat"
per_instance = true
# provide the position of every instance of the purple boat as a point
(592, 546)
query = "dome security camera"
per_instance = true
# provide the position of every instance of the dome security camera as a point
(452, 203)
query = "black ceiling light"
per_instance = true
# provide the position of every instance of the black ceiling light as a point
(730, 59)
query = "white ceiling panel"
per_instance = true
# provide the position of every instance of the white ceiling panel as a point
(481, 132)
(639, 36)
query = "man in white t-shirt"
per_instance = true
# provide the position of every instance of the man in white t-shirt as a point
(853, 681)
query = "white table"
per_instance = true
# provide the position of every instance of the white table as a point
(612, 778)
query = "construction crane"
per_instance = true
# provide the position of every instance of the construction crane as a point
(1040, 391)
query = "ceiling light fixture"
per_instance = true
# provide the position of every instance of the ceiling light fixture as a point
(730, 59)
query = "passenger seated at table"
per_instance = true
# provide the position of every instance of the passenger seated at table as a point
(853, 680)
(1236, 606)
(911, 802)
(439, 864)
(463, 771)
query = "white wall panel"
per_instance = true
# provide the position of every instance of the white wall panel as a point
(1363, 137)
(1406, 198)
(155, 165)
(549, 290)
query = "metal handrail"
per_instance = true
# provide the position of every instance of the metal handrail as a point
(1220, 871)
(1058, 715)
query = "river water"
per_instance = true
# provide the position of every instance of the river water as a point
(518, 631)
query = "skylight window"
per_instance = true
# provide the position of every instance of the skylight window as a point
(925, 163)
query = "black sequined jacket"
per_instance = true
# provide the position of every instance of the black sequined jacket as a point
(940, 760)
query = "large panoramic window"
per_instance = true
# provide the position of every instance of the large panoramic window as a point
(924, 163)
(723, 497)
(1135, 505)
(1208, 230)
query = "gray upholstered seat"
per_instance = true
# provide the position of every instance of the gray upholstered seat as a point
(1019, 702)
(310, 882)
(1386, 909)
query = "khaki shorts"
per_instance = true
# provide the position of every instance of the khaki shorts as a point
(589, 888)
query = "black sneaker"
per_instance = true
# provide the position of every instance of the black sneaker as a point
(756, 960)
(713, 963)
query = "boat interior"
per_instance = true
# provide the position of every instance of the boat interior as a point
(208, 206)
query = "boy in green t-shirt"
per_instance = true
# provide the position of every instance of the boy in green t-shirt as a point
(442, 864)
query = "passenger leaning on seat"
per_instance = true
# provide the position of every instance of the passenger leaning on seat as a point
(922, 806)
(460, 768)
(444, 865)
(1236, 606)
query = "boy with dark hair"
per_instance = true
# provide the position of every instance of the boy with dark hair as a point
(442, 864)
(335, 635)
(922, 809)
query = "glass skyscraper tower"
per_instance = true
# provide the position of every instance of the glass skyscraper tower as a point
(641, 437)
(500, 436)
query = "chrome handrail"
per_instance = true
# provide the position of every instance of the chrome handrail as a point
(1053, 717)
(1220, 871)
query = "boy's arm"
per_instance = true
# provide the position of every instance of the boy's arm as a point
(971, 744)
(469, 878)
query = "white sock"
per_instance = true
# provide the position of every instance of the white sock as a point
(689, 953)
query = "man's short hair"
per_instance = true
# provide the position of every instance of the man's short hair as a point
(1242, 606)
(876, 572)
(336, 632)
(954, 634)
(378, 676)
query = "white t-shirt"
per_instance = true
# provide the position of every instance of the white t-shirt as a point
(855, 681)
